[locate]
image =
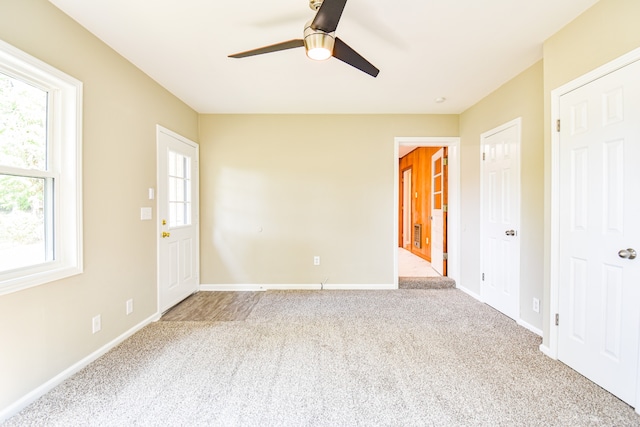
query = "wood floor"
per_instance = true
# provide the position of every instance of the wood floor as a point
(214, 306)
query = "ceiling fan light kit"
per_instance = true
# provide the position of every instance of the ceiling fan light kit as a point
(319, 39)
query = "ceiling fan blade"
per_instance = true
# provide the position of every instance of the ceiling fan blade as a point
(271, 48)
(344, 53)
(328, 15)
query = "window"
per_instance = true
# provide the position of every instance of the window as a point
(40, 171)
(179, 189)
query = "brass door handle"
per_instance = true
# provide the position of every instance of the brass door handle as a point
(165, 234)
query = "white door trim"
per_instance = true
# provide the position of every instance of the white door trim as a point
(554, 250)
(196, 203)
(407, 188)
(453, 220)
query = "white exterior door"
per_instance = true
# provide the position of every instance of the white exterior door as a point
(599, 281)
(500, 223)
(178, 245)
(437, 211)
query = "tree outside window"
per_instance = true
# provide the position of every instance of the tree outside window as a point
(23, 151)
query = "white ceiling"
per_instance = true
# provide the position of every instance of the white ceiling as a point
(458, 49)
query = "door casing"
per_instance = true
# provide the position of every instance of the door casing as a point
(453, 221)
(407, 208)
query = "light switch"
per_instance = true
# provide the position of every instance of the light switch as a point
(146, 214)
(152, 194)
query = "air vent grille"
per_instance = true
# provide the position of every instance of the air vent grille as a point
(417, 235)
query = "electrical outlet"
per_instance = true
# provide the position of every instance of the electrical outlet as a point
(96, 324)
(129, 305)
(316, 260)
(536, 305)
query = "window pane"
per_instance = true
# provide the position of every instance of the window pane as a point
(179, 189)
(23, 124)
(22, 222)
(179, 214)
(180, 165)
(172, 163)
(187, 191)
(173, 185)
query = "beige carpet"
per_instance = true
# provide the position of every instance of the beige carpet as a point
(440, 282)
(416, 273)
(334, 358)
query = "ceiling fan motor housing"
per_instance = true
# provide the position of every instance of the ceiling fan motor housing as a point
(318, 44)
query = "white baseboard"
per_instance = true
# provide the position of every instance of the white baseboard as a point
(468, 292)
(43, 389)
(547, 351)
(530, 327)
(294, 287)
(378, 287)
(226, 288)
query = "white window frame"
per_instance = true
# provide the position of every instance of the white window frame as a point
(65, 153)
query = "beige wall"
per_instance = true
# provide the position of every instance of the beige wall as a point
(47, 329)
(520, 97)
(606, 31)
(279, 189)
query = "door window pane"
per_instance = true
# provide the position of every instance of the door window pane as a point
(179, 184)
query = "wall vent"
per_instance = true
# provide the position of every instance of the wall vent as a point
(417, 235)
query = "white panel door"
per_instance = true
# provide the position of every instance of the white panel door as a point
(178, 245)
(599, 286)
(500, 240)
(437, 211)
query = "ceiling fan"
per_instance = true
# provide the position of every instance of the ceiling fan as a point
(319, 39)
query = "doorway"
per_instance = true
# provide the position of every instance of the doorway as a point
(178, 232)
(453, 185)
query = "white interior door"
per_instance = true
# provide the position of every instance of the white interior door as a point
(599, 281)
(406, 209)
(500, 240)
(178, 247)
(437, 211)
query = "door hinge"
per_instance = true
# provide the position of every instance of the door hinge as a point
(445, 161)
(484, 156)
(445, 256)
(445, 208)
(557, 319)
(483, 277)
(558, 125)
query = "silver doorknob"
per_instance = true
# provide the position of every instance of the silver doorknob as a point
(510, 232)
(627, 253)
